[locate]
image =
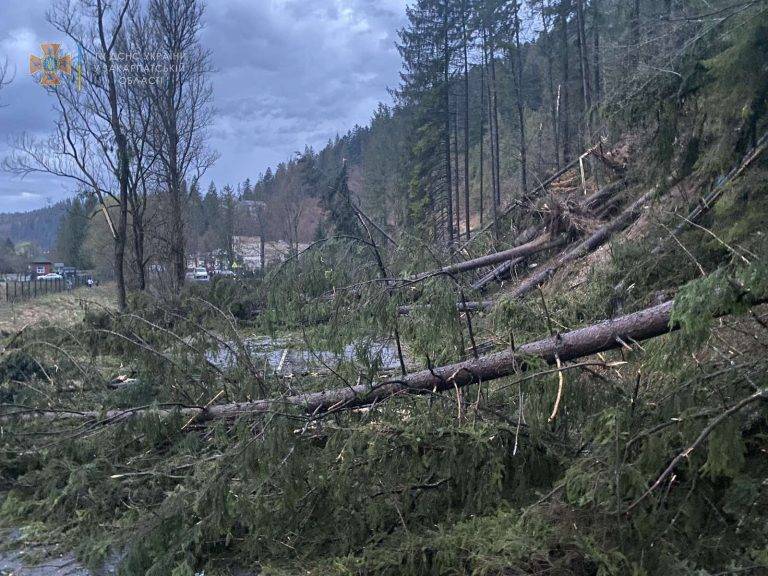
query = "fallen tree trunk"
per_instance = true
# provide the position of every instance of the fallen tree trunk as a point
(498, 274)
(502, 272)
(543, 242)
(595, 201)
(541, 187)
(517, 203)
(469, 306)
(514, 204)
(707, 202)
(579, 343)
(590, 244)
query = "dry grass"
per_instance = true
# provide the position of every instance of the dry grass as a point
(64, 308)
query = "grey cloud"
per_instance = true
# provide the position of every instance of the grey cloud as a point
(288, 73)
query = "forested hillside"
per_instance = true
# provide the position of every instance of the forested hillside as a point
(37, 226)
(528, 336)
(495, 98)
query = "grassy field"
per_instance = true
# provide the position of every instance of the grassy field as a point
(63, 308)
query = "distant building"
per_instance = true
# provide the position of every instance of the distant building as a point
(248, 249)
(247, 252)
(41, 267)
(252, 206)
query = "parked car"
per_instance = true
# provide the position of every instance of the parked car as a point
(50, 276)
(201, 274)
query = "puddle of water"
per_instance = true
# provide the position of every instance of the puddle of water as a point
(12, 564)
(285, 357)
(21, 559)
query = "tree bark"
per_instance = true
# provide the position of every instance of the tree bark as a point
(456, 167)
(495, 104)
(586, 93)
(552, 95)
(636, 32)
(482, 138)
(447, 123)
(494, 152)
(596, 50)
(565, 10)
(466, 121)
(517, 60)
(122, 298)
(597, 200)
(498, 274)
(138, 249)
(502, 271)
(177, 221)
(543, 242)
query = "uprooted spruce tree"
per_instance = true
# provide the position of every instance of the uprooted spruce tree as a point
(529, 337)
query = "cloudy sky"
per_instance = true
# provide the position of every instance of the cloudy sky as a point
(289, 73)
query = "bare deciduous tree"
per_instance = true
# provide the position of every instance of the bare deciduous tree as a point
(89, 144)
(141, 182)
(176, 82)
(4, 76)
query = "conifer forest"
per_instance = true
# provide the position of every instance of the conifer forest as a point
(519, 325)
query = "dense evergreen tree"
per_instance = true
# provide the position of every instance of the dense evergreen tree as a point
(9, 260)
(73, 231)
(338, 203)
(427, 46)
(227, 226)
(196, 219)
(211, 206)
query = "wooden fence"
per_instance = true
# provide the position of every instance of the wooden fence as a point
(17, 290)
